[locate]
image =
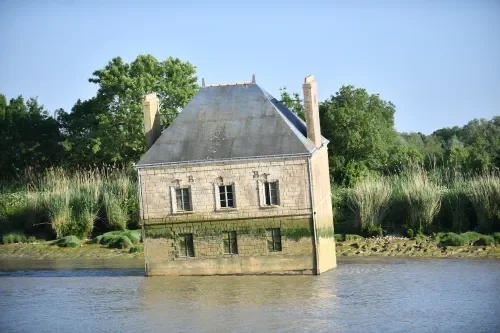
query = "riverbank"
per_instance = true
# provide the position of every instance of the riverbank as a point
(406, 247)
(45, 250)
(361, 247)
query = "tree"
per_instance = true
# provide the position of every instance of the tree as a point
(109, 127)
(361, 130)
(292, 102)
(30, 137)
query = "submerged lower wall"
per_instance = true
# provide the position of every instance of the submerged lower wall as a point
(254, 254)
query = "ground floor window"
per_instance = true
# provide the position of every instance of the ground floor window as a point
(186, 246)
(274, 239)
(230, 243)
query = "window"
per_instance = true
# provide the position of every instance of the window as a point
(271, 193)
(226, 196)
(230, 243)
(186, 247)
(274, 240)
(183, 199)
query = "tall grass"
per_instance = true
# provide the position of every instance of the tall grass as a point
(456, 200)
(71, 203)
(369, 200)
(484, 193)
(423, 196)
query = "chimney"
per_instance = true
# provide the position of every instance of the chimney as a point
(311, 107)
(152, 122)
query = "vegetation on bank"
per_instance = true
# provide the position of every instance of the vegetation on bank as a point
(418, 201)
(56, 204)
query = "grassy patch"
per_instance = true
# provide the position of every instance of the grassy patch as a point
(137, 249)
(14, 237)
(68, 241)
(351, 237)
(120, 242)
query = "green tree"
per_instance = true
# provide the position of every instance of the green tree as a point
(360, 127)
(30, 137)
(109, 127)
(292, 102)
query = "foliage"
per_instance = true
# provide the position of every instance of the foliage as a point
(137, 249)
(30, 137)
(496, 236)
(68, 241)
(293, 103)
(422, 196)
(115, 114)
(14, 237)
(362, 127)
(120, 242)
(369, 200)
(110, 237)
(352, 237)
(484, 193)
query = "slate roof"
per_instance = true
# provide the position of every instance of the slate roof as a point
(230, 122)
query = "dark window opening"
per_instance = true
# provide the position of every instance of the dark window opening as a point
(230, 243)
(274, 240)
(226, 196)
(183, 199)
(271, 189)
(186, 246)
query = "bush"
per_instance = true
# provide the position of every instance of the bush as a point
(487, 240)
(137, 249)
(338, 237)
(14, 237)
(369, 200)
(452, 239)
(105, 239)
(120, 242)
(351, 237)
(375, 231)
(409, 233)
(496, 236)
(68, 241)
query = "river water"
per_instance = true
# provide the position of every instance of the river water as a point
(361, 295)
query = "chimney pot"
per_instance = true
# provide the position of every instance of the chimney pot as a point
(311, 107)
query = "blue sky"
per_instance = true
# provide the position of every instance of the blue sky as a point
(437, 61)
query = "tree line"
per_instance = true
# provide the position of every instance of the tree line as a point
(108, 128)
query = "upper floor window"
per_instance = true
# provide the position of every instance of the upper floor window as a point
(271, 193)
(226, 196)
(183, 199)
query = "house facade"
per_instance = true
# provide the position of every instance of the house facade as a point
(237, 184)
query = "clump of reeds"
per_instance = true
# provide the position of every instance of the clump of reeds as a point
(369, 200)
(456, 200)
(484, 193)
(422, 195)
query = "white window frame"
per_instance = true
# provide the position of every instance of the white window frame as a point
(173, 199)
(217, 196)
(261, 185)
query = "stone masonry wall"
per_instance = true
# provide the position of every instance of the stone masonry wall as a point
(162, 249)
(292, 175)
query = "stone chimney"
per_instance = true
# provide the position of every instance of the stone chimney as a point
(152, 122)
(311, 107)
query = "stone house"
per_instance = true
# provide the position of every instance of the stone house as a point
(237, 184)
